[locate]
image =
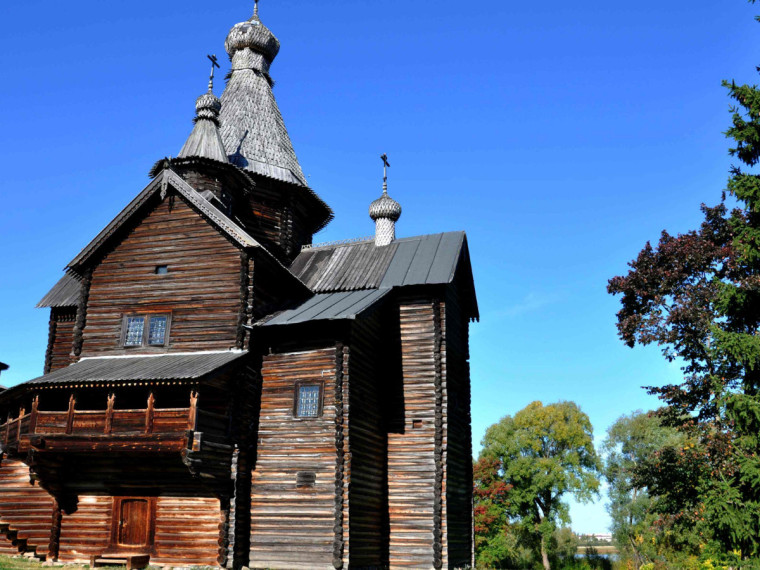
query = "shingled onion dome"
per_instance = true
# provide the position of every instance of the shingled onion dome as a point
(205, 140)
(251, 45)
(385, 212)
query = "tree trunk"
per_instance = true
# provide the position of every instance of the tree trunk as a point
(544, 554)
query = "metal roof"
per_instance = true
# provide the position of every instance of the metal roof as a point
(65, 293)
(327, 306)
(185, 366)
(421, 260)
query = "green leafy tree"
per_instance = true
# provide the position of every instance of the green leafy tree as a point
(698, 295)
(496, 544)
(632, 442)
(543, 453)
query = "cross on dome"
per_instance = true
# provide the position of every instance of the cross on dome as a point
(385, 211)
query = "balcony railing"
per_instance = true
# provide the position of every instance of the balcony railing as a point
(103, 423)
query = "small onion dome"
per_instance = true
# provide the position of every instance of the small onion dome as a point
(208, 106)
(252, 35)
(385, 207)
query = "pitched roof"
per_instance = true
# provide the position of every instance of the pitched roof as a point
(421, 260)
(327, 306)
(65, 293)
(180, 366)
(166, 178)
(253, 130)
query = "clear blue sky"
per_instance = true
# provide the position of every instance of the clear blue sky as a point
(561, 136)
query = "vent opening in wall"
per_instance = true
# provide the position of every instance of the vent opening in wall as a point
(306, 479)
(416, 424)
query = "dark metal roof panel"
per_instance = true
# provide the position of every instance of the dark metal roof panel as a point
(184, 366)
(446, 258)
(399, 266)
(419, 268)
(328, 306)
(65, 293)
(420, 260)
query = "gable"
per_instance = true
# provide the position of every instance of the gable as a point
(200, 291)
(164, 182)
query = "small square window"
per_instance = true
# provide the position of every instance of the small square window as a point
(308, 400)
(157, 331)
(134, 331)
(162, 269)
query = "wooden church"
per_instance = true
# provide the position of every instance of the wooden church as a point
(220, 392)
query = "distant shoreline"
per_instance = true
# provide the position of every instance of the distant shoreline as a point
(599, 549)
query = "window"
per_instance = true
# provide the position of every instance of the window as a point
(162, 269)
(308, 401)
(145, 330)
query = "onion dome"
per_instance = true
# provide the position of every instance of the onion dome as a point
(252, 35)
(385, 207)
(208, 106)
(385, 212)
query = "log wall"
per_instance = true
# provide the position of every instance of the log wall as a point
(60, 338)
(459, 445)
(366, 376)
(187, 531)
(412, 442)
(201, 290)
(25, 512)
(87, 531)
(292, 526)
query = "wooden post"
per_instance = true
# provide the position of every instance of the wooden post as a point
(191, 417)
(109, 414)
(21, 413)
(149, 414)
(7, 429)
(33, 419)
(70, 418)
(55, 532)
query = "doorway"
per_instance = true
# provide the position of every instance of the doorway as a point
(133, 523)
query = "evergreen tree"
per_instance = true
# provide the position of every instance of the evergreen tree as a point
(698, 295)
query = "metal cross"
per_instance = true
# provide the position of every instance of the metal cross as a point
(386, 166)
(214, 64)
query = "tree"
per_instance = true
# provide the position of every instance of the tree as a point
(543, 453)
(698, 295)
(632, 442)
(496, 544)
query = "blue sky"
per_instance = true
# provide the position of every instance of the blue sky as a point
(561, 136)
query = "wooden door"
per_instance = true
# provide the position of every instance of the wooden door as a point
(133, 522)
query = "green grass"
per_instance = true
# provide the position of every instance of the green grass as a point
(21, 563)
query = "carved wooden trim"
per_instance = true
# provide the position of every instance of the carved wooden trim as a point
(338, 544)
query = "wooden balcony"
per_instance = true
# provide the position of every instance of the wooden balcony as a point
(146, 430)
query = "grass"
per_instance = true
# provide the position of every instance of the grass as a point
(21, 563)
